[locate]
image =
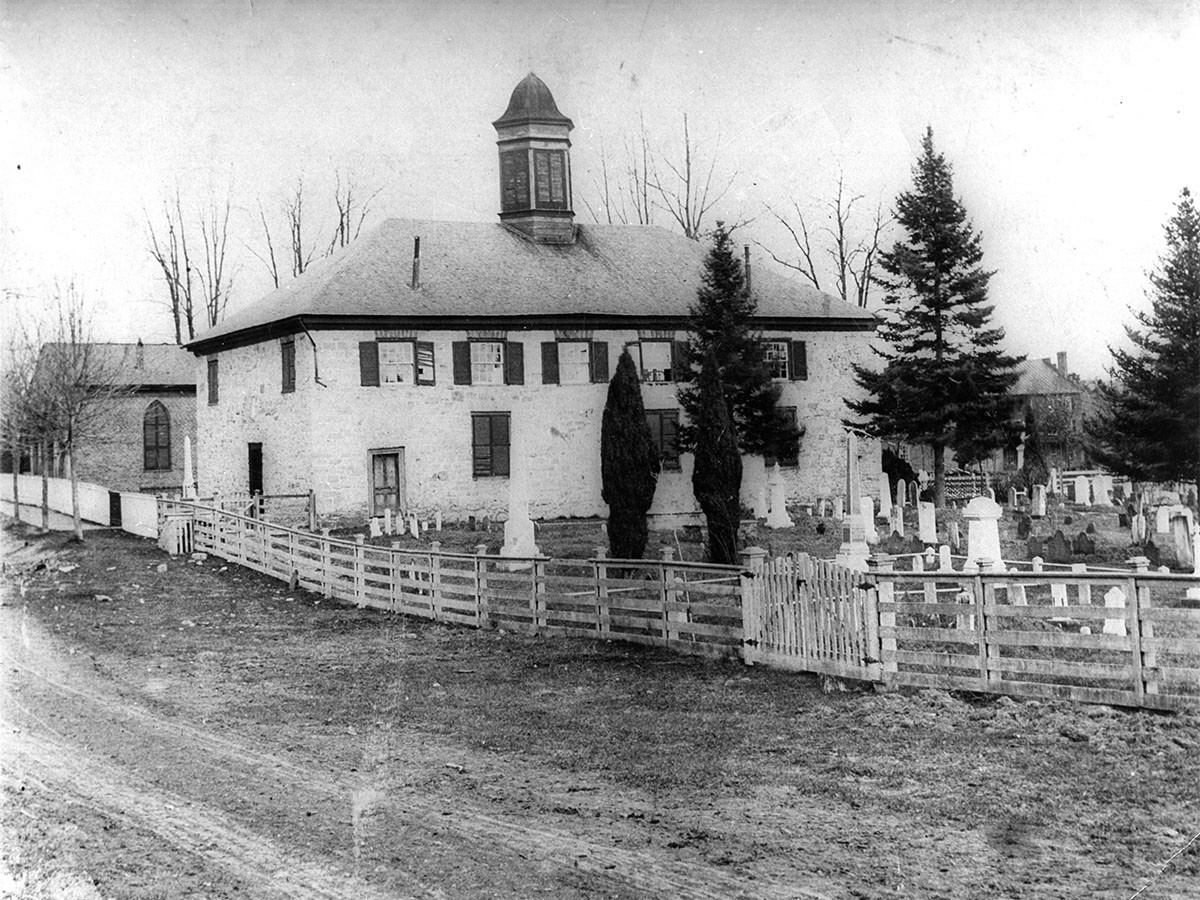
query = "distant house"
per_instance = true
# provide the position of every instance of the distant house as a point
(1059, 402)
(136, 440)
(415, 370)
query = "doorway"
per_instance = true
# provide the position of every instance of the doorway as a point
(256, 468)
(387, 481)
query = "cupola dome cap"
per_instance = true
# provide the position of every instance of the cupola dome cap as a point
(532, 101)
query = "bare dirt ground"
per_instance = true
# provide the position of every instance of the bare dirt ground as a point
(204, 732)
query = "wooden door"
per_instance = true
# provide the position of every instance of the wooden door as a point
(387, 482)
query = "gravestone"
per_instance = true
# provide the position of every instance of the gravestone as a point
(1012, 498)
(853, 550)
(388, 527)
(1102, 490)
(945, 564)
(437, 520)
(1058, 549)
(1115, 599)
(926, 523)
(761, 506)
(839, 508)
(1082, 491)
(896, 520)
(777, 514)
(1035, 548)
(1038, 503)
(376, 527)
(954, 535)
(519, 537)
(1181, 535)
(1024, 526)
(885, 494)
(901, 493)
(1138, 528)
(1083, 545)
(413, 528)
(821, 508)
(1162, 520)
(867, 511)
(1151, 552)
(1123, 520)
(983, 533)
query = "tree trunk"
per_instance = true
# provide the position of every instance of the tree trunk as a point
(17, 479)
(74, 492)
(939, 476)
(43, 452)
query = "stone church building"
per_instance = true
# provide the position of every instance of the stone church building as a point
(419, 367)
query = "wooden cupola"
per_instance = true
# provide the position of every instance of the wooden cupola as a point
(535, 164)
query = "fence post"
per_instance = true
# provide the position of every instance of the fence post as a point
(881, 567)
(538, 594)
(1145, 655)
(600, 571)
(435, 578)
(985, 596)
(665, 595)
(325, 579)
(359, 571)
(312, 510)
(752, 597)
(481, 598)
(394, 575)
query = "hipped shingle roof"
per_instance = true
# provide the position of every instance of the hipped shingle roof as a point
(482, 270)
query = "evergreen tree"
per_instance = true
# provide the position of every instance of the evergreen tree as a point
(1150, 430)
(720, 323)
(1034, 469)
(629, 463)
(717, 476)
(945, 380)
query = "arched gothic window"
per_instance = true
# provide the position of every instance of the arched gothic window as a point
(156, 438)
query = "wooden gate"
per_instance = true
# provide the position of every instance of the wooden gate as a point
(812, 615)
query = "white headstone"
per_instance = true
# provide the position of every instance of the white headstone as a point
(1115, 599)
(1082, 490)
(189, 481)
(1037, 505)
(839, 508)
(1138, 528)
(926, 523)
(1012, 498)
(885, 494)
(777, 514)
(761, 506)
(945, 563)
(1058, 594)
(437, 520)
(388, 526)
(853, 550)
(518, 529)
(376, 527)
(954, 534)
(1102, 486)
(967, 622)
(1085, 589)
(983, 532)
(896, 520)
(413, 527)
(821, 508)
(1181, 535)
(866, 506)
(1162, 520)
(901, 493)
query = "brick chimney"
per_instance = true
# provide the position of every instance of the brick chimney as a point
(1062, 363)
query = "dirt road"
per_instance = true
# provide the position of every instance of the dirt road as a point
(202, 732)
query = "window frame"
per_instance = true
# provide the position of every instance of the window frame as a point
(410, 366)
(486, 462)
(498, 366)
(159, 447)
(670, 461)
(785, 370)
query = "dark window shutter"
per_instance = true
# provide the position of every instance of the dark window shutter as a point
(214, 393)
(368, 363)
(678, 360)
(798, 361)
(287, 356)
(549, 362)
(424, 361)
(514, 363)
(462, 362)
(500, 444)
(598, 357)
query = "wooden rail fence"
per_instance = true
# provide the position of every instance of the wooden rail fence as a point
(1127, 638)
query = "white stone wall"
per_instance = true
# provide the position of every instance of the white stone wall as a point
(322, 437)
(251, 408)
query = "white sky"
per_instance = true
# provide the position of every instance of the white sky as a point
(1071, 126)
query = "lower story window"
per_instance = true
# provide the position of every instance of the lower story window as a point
(664, 430)
(490, 444)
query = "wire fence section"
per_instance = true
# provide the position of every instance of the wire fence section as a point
(1126, 638)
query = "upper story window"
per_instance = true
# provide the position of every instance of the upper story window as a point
(659, 361)
(575, 362)
(213, 387)
(287, 355)
(156, 438)
(389, 361)
(489, 362)
(787, 360)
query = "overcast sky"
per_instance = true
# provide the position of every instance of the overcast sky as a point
(1071, 127)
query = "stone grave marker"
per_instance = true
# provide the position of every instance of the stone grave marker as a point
(1115, 599)
(1082, 491)
(838, 508)
(1083, 545)
(954, 535)
(1012, 498)
(1038, 503)
(885, 493)
(1058, 549)
(983, 533)
(901, 493)
(1162, 520)
(926, 522)
(388, 527)
(1123, 520)
(1181, 534)
(867, 509)
(1024, 526)
(376, 527)
(896, 520)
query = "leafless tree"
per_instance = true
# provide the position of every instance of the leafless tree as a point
(16, 423)
(200, 286)
(853, 259)
(70, 384)
(687, 192)
(625, 193)
(351, 211)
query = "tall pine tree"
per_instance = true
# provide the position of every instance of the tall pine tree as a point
(717, 476)
(945, 379)
(1150, 430)
(629, 463)
(721, 323)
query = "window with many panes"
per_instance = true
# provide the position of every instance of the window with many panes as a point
(156, 438)
(657, 360)
(489, 444)
(664, 431)
(574, 362)
(487, 362)
(776, 353)
(397, 362)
